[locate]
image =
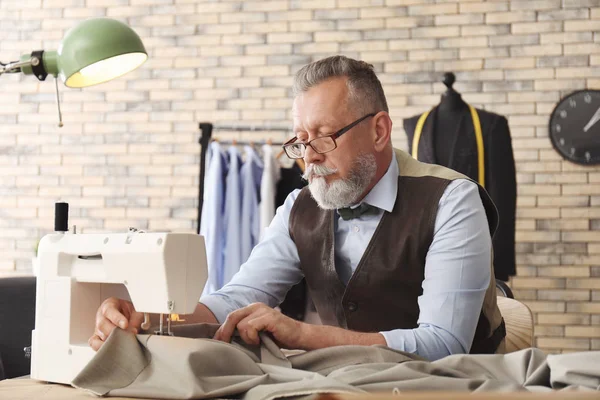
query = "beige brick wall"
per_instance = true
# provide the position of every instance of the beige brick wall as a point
(128, 153)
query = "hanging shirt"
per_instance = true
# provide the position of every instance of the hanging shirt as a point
(268, 186)
(251, 174)
(232, 256)
(291, 179)
(211, 226)
(295, 302)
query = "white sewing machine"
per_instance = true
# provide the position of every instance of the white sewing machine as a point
(160, 273)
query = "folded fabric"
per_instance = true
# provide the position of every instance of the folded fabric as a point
(166, 367)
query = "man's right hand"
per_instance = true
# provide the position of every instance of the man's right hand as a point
(114, 313)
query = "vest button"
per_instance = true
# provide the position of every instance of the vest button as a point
(352, 306)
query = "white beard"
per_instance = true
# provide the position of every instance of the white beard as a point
(341, 192)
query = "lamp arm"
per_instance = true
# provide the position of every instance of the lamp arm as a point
(39, 63)
(15, 66)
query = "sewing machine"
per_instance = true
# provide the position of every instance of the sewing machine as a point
(160, 273)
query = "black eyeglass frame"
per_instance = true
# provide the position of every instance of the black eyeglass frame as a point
(333, 136)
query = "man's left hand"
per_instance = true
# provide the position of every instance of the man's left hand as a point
(258, 317)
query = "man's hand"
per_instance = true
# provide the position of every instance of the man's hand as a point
(114, 313)
(257, 317)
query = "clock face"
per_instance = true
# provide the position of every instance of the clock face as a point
(575, 127)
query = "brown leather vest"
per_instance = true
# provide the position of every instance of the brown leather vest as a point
(383, 291)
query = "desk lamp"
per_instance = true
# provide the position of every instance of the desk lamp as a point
(94, 51)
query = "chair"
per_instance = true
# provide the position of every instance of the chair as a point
(17, 320)
(518, 319)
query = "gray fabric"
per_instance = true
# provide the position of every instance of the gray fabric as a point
(117, 365)
(185, 368)
(581, 369)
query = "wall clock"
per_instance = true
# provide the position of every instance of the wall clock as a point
(575, 127)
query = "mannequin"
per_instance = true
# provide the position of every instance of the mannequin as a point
(451, 112)
(448, 137)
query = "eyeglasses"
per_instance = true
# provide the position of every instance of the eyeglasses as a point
(323, 144)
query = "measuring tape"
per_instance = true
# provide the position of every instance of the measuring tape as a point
(478, 138)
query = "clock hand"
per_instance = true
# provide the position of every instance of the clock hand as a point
(595, 118)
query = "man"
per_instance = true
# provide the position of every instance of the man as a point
(395, 252)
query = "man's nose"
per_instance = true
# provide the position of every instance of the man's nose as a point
(312, 157)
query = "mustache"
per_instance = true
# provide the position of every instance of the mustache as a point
(314, 169)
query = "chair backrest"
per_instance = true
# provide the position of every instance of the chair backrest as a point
(519, 324)
(502, 289)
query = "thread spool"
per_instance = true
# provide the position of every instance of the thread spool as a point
(61, 217)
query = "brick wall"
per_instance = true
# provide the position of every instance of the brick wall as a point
(128, 153)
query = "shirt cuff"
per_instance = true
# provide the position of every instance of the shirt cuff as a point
(217, 305)
(401, 339)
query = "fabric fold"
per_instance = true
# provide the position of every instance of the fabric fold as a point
(151, 366)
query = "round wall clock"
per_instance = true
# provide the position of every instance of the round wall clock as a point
(575, 127)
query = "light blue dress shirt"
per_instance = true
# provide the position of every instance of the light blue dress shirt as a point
(232, 257)
(251, 175)
(211, 226)
(457, 267)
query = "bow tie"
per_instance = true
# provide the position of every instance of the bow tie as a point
(364, 208)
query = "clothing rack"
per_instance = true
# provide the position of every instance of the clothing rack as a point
(206, 129)
(250, 128)
(244, 142)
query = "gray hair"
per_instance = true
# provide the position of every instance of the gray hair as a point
(364, 88)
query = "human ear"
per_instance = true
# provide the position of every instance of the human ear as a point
(383, 130)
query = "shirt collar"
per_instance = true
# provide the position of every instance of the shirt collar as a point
(383, 195)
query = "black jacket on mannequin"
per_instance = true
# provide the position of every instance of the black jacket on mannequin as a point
(448, 139)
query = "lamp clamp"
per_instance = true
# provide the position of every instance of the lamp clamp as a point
(37, 65)
(36, 62)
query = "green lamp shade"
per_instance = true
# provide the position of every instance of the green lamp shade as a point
(105, 70)
(95, 51)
